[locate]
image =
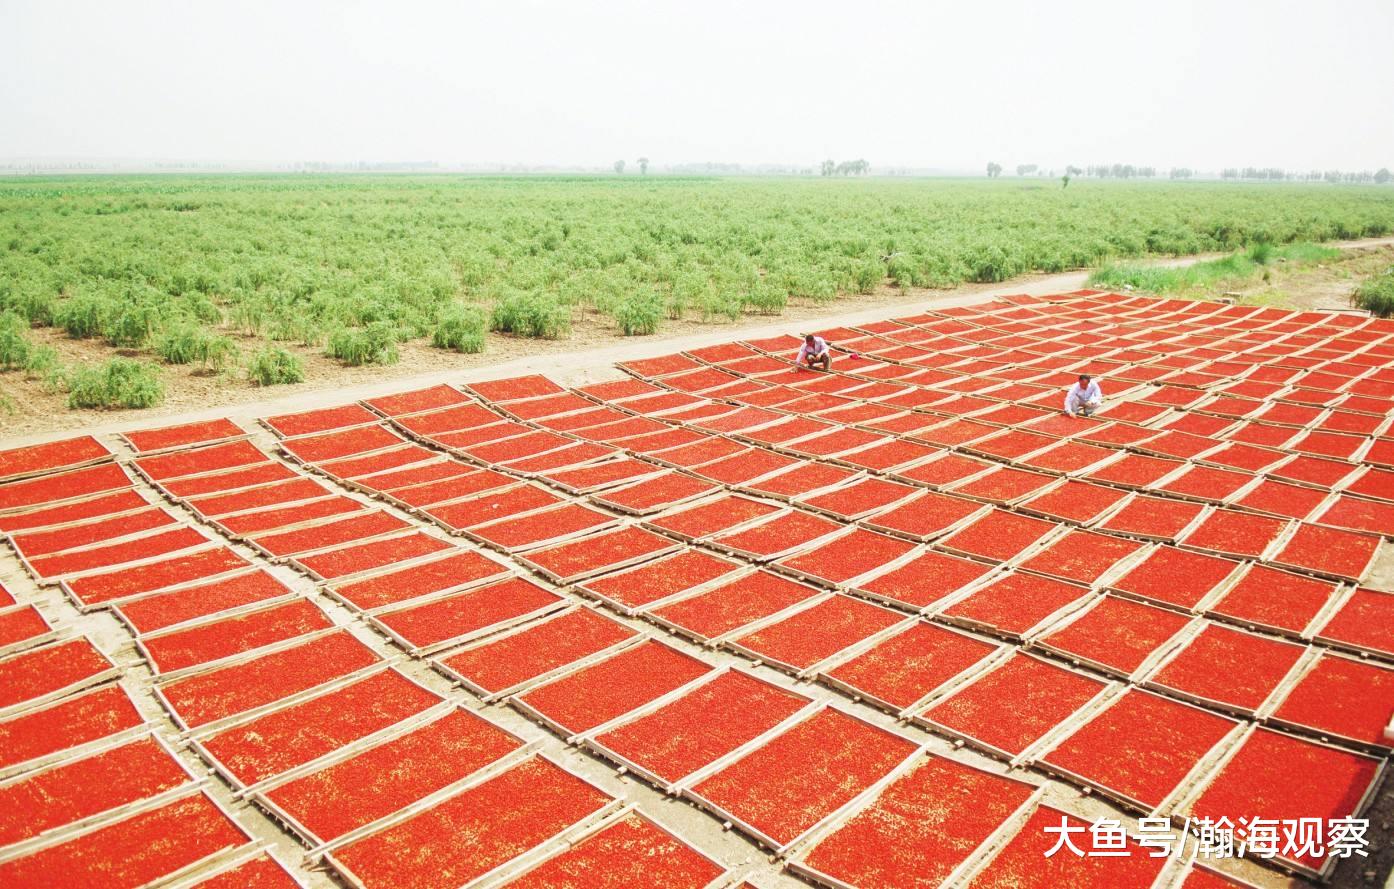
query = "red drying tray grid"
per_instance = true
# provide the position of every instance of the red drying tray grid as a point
(1205, 483)
(1140, 749)
(1023, 861)
(463, 615)
(98, 589)
(1199, 424)
(1276, 776)
(793, 782)
(1330, 552)
(583, 419)
(594, 695)
(415, 474)
(999, 536)
(788, 532)
(474, 424)
(905, 668)
(1377, 484)
(1012, 706)
(746, 465)
(65, 454)
(42, 673)
(328, 534)
(835, 442)
(200, 461)
(1180, 445)
(461, 568)
(417, 400)
(659, 579)
(82, 788)
(549, 406)
(515, 388)
(337, 445)
(538, 528)
(1364, 622)
(256, 474)
(801, 479)
(1012, 443)
(456, 487)
(1069, 457)
(384, 778)
(63, 486)
(1245, 457)
(1277, 498)
(1329, 444)
(1339, 697)
(697, 453)
(1275, 600)
(322, 420)
(711, 516)
(22, 627)
(944, 470)
(260, 496)
(1081, 556)
(1261, 434)
(887, 457)
(926, 517)
(847, 557)
(920, 829)
(1233, 533)
(1354, 513)
(96, 557)
(261, 748)
(861, 498)
(702, 726)
(1005, 484)
(1074, 501)
(502, 663)
(1227, 669)
(1175, 578)
(132, 851)
(492, 506)
(812, 635)
(213, 640)
(732, 605)
(787, 430)
(1116, 635)
(924, 580)
(184, 435)
(629, 851)
(359, 557)
(40, 733)
(598, 553)
(529, 444)
(264, 521)
(1154, 518)
(654, 494)
(1015, 605)
(657, 367)
(94, 532)
(466, 836)
(206, 697)
(601, 475)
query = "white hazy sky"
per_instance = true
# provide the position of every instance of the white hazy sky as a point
(929, 84)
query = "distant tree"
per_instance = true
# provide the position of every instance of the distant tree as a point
(1072, 170)
(829, 167)
(1383, 175)
(1181, 173)
(1065, 181)
(643, 166)
(994, 170)
(1332, 175)
(860, 167)
(1025, 169)
(619, 167)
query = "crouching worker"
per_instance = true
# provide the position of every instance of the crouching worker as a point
(815, 352)
(1084, 397)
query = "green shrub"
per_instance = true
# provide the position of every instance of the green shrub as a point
(121, 382)
(274, 366)
(187, 343)
(536, 316)
(356, 346)
(15, 347)
(462, 328)
(84, 315)
(638, 315)
(1376, 295)
(1260, 253)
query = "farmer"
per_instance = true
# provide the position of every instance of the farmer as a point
(814, 351)
(1084, 397)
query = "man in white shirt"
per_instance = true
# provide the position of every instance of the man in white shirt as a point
(814, 351)
(1084, 397)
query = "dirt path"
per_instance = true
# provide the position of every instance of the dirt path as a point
(588, 355)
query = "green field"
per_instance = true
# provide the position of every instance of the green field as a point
(218, 269)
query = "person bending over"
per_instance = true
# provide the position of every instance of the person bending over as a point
(1084, 397)
(815, 353)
